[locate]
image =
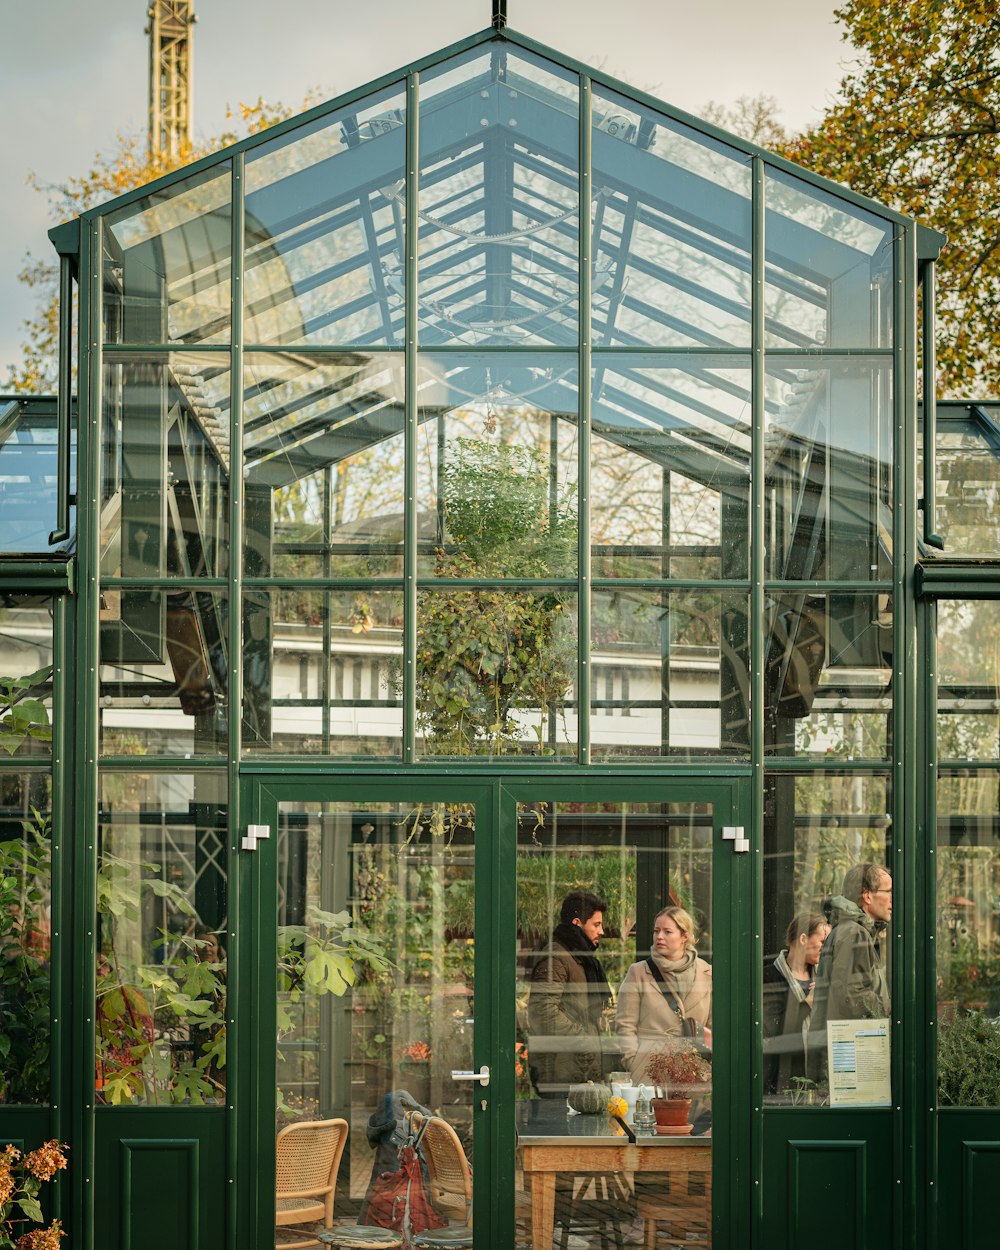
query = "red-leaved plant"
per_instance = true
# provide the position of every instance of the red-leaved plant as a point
(21, 1178)
(679, 1071)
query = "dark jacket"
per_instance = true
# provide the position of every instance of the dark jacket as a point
(565, 1010)
(785, 1026)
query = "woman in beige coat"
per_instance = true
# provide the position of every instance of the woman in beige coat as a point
(647, 1020)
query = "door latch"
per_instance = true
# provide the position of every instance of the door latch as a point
(482, 1076)
(737, 835)
(253, 835)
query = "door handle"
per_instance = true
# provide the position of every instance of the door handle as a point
(482, 1076)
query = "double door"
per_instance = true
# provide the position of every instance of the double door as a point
(407, 985)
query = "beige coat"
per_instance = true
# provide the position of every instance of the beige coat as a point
(644, 1020)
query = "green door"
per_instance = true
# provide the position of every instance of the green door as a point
(448, 964)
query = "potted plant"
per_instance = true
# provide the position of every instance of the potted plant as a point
(679, 1073)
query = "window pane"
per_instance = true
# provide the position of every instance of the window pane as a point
(323, 465)
(828, 957)
(499, 206)
(161, 939)
(164, 677)
(968, 649)
(26, 675)
(25, 933)
(323, 672)
(828, 675)
(671, 229)
(829, 269)
(165, 466)
(167, 264)
(497, 467)
(495, 671)
(967, 468)
(29, 478)
(670, 468)
(378, 1054)
(828, 453)
(968, 939)
(324, 229)
(669, 674)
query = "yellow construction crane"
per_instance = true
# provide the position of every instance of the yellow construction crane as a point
(170, 35)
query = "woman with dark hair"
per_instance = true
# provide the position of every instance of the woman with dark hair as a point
(789, 983)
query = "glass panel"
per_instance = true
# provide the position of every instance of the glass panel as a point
(161, 951)
(26, 675)
(165, 465)
(828, 676)
(167, 264)
(669, 674)
(323, 672)
(968, 939)
(967, 469)
(25, 934)
(671, 227)
(163, 676)
(29, 476)
(968, 697)
(828, 452)
(499, 201)
(324, 228)
(828, 960)
(495, 672)
(323, 465)
(497, 467)
(375, 1009)
(829, 269)
(670, 467)
(593, 880)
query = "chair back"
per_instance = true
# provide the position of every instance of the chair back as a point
(308, 1158)
(448, 1169)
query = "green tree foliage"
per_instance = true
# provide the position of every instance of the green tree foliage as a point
(916, 127)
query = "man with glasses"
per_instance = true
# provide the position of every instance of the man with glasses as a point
(850, 981)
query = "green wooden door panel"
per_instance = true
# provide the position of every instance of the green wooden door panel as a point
(968, 1178)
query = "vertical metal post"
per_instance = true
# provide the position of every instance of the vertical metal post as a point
(64, 397)
(583, 437)
(928, 343)
(237, 931)
(57, 875)
(411, 418)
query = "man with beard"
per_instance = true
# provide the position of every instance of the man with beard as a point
(569, 995)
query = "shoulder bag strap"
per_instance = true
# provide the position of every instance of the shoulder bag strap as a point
(667, 993)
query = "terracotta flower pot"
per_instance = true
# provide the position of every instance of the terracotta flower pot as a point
(672, 1111)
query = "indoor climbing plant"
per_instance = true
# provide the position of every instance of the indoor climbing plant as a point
(22, 714)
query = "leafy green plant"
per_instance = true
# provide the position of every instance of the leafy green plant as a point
(22, 714)
(25, 867)
(968, 1061)
(21, 1180)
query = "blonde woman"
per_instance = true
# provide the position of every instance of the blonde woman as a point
(665, 999)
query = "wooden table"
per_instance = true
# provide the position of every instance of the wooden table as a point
(552, 1143)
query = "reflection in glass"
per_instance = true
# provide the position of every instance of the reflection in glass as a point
(593, 881)
(967, 468)
(29, 478)
(25, 933)
(161, 939)
(499, 143)
(828, 453)
(670, 467)
(26, 675)
(497, 467)
(818, 830)
(669, 673)
(165, 466)
(323, 465)
(323, 672)
(373, 1019)
(968, 938)
(163, 676)
(829, 269)
(324, 229)
(828, 675)
(968, 651)
(671, 231)
(166, 269)
(495, 670)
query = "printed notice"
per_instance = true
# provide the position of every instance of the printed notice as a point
(858, 1055)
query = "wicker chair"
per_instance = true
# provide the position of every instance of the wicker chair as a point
(308, 1158)
(448, 1171)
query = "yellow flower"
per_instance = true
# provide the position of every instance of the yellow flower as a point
(617, 1106)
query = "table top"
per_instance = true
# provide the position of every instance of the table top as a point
(546, 1122)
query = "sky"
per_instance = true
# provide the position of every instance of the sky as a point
(74, 73)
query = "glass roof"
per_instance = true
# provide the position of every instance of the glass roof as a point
(28, 477)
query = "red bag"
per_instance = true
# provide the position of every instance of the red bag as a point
(399, 1199)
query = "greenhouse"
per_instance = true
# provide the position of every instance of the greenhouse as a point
(490, 637)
